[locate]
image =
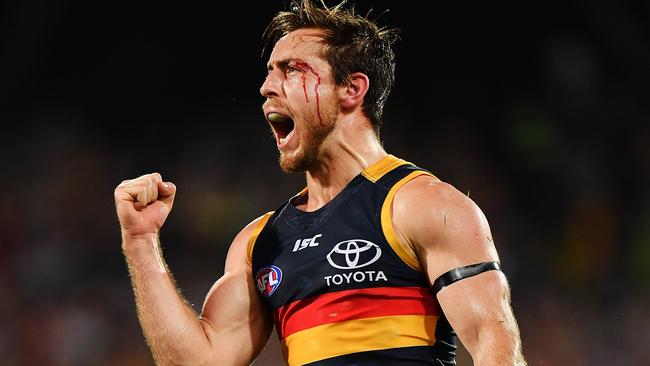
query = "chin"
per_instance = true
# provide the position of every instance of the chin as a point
(293, 164)
(298, 161)
(306, 155)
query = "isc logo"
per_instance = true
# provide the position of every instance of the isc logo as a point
(304, 243)
(268, 279)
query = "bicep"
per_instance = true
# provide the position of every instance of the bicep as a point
(234, 318)
(233, 315)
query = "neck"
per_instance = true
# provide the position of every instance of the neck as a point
(344, 154)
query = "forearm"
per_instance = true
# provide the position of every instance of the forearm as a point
(170, 326)
(498, 346)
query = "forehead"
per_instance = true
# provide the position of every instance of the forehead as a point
(299, 43)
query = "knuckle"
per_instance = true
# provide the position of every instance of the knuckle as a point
(151, 180)
(143, 179)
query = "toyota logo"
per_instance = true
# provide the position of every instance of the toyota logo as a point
(352, 254)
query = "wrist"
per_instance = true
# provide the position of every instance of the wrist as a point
(131, 243)
(143, 251)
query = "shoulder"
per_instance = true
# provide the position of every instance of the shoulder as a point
(427, 195)
(241, 247)
(434, 216)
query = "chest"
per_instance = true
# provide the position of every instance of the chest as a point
(297, 259)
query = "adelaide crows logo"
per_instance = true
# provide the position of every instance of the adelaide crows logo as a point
(268, 279)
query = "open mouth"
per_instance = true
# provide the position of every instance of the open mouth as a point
(282, 125)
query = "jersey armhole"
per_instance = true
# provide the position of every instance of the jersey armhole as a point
(403, 250)
(256, 232)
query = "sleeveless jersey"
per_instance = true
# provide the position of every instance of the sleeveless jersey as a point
(341, 288)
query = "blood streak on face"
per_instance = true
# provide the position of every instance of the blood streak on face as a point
(303, 66)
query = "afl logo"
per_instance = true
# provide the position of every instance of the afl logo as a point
(352, 254)
(268, 279)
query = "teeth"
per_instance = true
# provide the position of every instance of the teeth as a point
(277, 117)
(286, 138)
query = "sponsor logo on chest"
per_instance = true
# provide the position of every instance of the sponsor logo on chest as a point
(304, 243)
(351, 256)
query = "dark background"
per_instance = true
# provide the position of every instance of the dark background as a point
(538, 110)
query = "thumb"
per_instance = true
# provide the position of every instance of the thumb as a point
(166, 192)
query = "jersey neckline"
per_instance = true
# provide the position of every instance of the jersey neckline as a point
(372, 173)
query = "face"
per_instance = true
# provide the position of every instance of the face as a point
(301, 104)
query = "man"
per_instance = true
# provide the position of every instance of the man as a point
(375, 262)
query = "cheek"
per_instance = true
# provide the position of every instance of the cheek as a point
(328, 100)
(296, 90)
(307, 93)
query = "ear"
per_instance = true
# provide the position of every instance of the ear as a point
(352, 94)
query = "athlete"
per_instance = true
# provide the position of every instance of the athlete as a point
(375, 262)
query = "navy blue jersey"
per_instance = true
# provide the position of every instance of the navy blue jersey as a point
(340, 286)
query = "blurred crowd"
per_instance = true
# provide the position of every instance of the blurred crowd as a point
(561, 168)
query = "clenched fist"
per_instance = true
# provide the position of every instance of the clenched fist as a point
(143, 204)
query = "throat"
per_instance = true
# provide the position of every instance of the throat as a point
(321, 189)
(311, 201)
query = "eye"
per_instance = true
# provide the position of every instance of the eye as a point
(291, 69)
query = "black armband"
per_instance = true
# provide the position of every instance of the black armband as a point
(460, 273)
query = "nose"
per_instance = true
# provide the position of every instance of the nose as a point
(271, 85)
